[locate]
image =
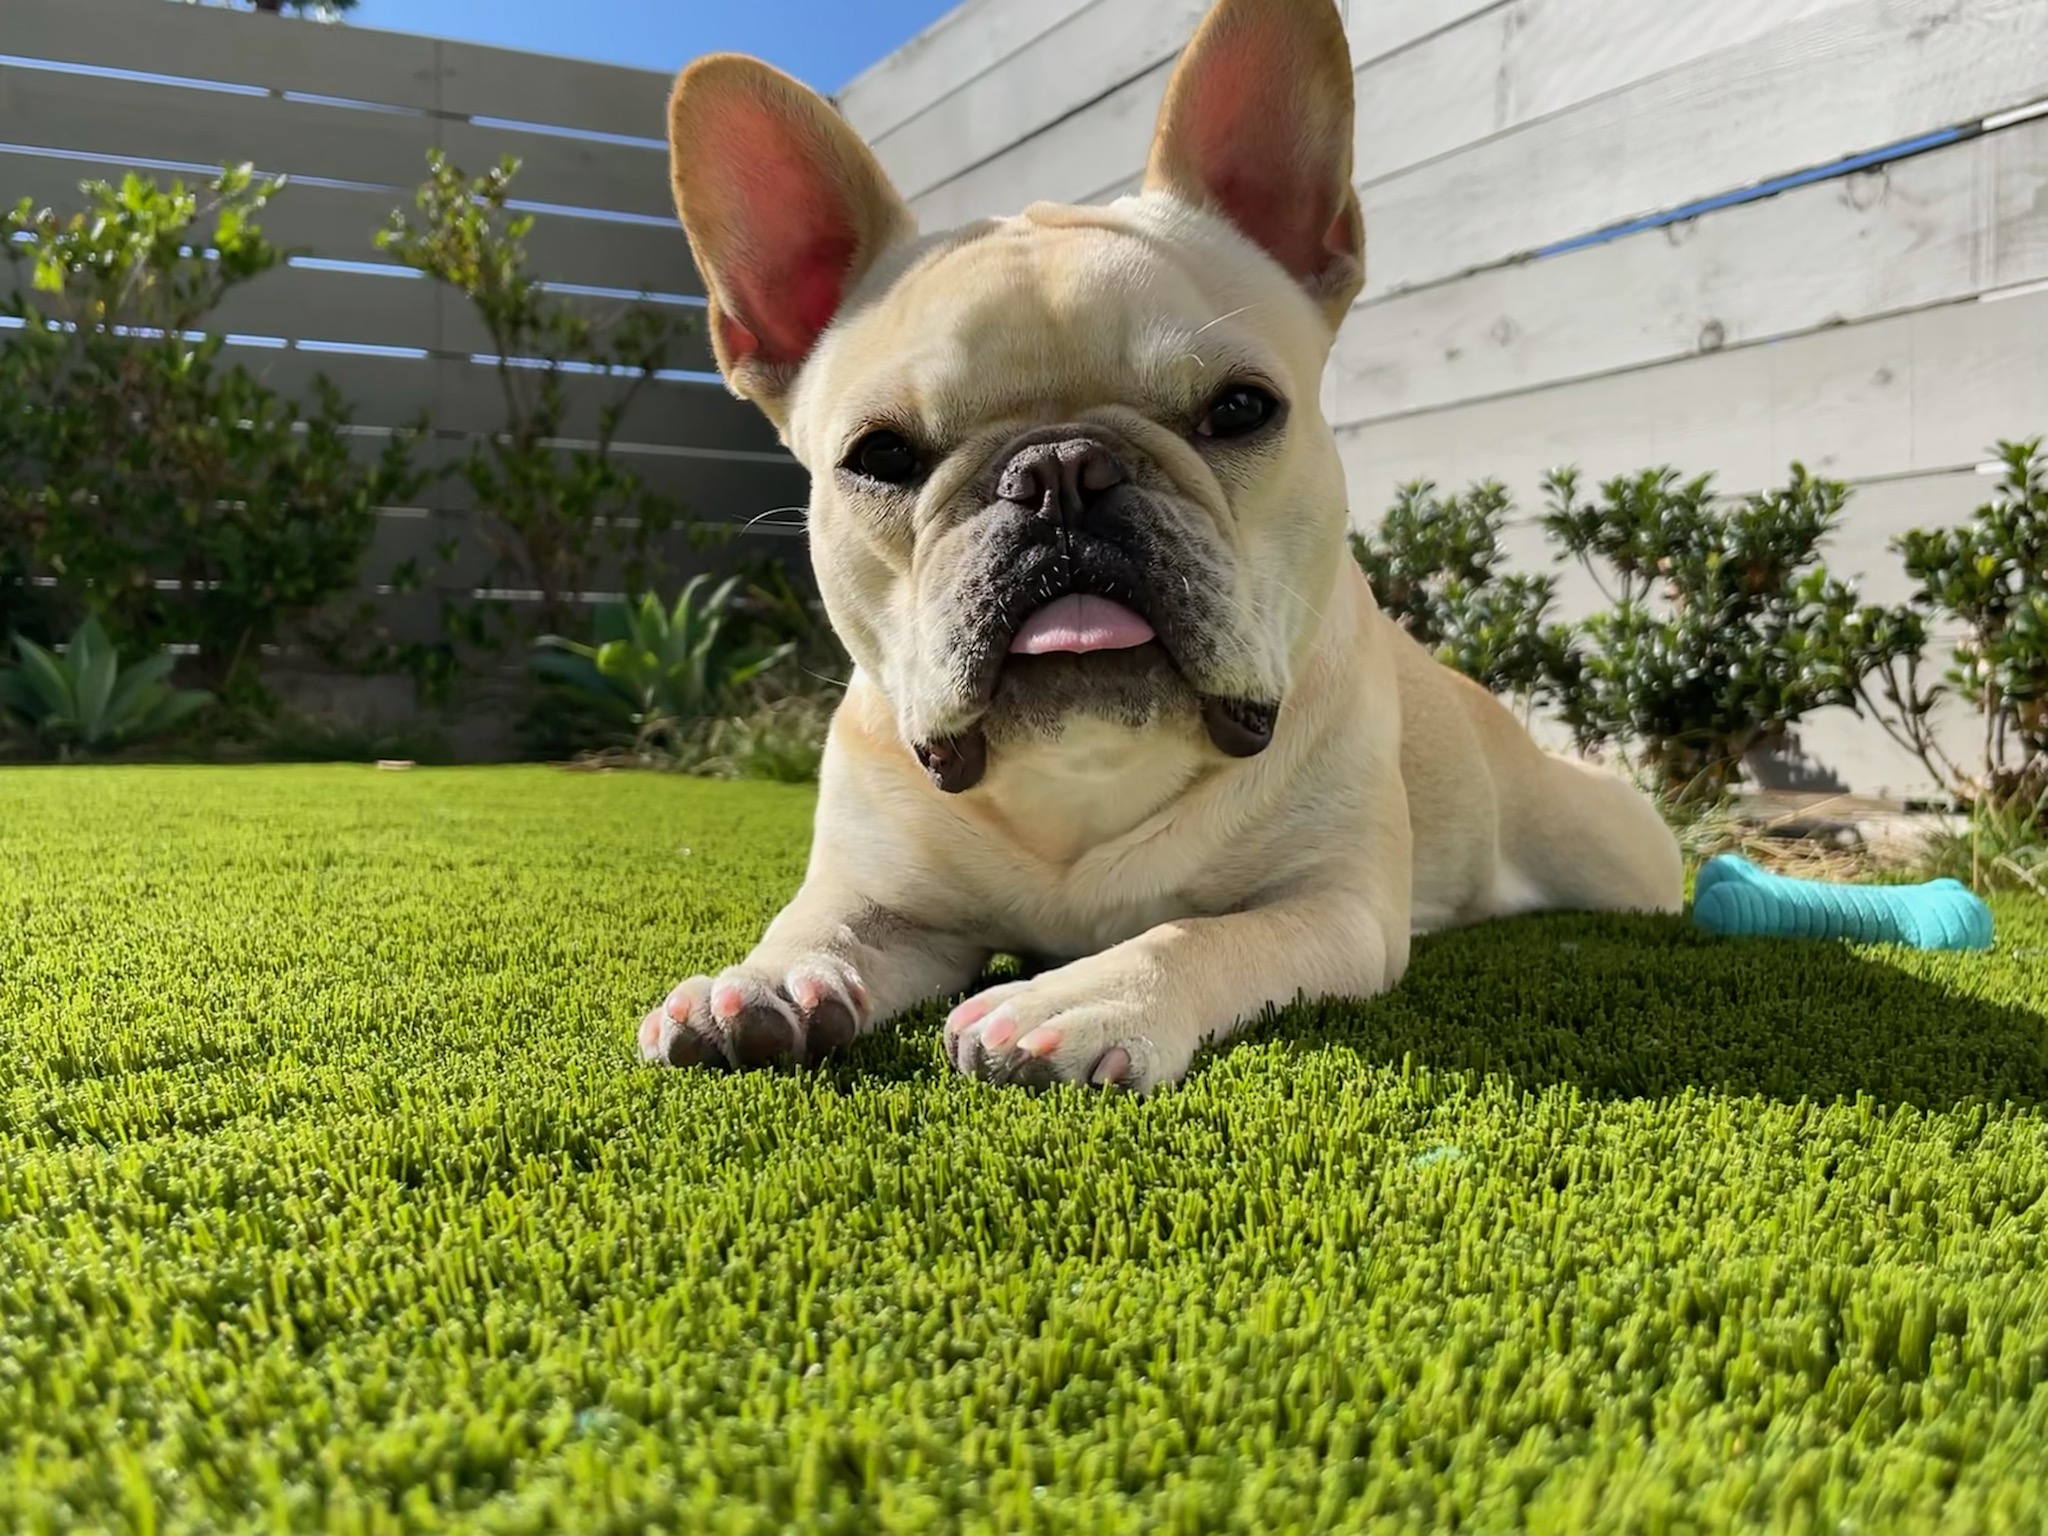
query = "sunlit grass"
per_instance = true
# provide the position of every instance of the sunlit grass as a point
(334, 1196)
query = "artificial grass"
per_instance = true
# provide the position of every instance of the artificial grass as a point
(335, 1197)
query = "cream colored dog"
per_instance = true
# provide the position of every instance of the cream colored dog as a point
(1122, 701)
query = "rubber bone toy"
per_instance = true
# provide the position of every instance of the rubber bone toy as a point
(1732, 896)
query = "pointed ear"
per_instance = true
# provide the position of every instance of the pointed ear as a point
(786, 209)
(1257, 127)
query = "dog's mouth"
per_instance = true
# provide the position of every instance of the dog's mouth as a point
(1095, 636)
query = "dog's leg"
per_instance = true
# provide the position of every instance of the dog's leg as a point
(829, 969)
(1135, 1014)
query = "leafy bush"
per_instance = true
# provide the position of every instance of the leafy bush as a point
(1990, 577)
(1723, 630)
(83, 700)
(780, 739)
(1433, 563)
(560, 517)
(657, 674)
(175, 496)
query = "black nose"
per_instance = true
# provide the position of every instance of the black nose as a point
(1061, 480)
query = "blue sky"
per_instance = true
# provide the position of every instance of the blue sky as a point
(823, 42)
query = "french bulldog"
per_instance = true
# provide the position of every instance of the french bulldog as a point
(1122, 704)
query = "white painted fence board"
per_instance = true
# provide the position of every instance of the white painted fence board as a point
(117, 118)
(1100, 47)
(1062, 163)
(199, 42)
(1942, 226)
(1854, 78)
(1506, 67)
(340, 223)
(563, 93)
(1380, 27)
(1920, 392)
(465, 397)
(349, 63)
(950, 55)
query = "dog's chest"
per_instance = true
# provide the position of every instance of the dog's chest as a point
(1099, 849)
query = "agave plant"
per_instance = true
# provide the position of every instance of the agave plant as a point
(83, 700)
(660, 670)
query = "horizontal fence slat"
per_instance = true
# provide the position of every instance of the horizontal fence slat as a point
(1854, 78)
(201, 42)
(565, 93)
(117, 118)
(1036, 85)
(415, 617)
(341, 224)
(465, 397)
(568, 173)
(1508, 66)
(1910, 394)
(1943, 226)
(710, 490)
(948, 56)
(1065, 162)
(348, 62)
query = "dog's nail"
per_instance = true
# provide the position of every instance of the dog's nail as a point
(680, 1002)
(999, 1032)
(727, 1002)
(1111, 1068)
(1040, 1042)
(968, 1014)
(806, 993)
(651, 1029)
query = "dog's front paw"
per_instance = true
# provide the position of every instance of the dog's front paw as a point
(750, 1017)
(1067, 1027)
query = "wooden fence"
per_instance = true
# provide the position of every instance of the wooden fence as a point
(1610, 232)
(90, 88)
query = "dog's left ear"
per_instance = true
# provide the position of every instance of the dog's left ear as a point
(786, 210)
(1257, 127)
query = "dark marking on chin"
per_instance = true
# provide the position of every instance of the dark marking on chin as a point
(956, 763)
(1239, 727)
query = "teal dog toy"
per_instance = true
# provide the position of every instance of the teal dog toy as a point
(1732, 896)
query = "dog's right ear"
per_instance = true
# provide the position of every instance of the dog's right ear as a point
(786, 209)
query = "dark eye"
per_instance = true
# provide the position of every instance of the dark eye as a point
(1238, 412)
(885, 456)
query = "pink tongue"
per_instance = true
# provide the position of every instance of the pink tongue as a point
(1080, 623)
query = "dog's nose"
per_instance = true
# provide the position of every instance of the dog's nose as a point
(1062, 479)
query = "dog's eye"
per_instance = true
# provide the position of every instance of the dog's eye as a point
(1238, 412)
(885, 456)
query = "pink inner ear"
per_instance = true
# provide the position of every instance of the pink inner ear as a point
(1256, 152)
(796, 239)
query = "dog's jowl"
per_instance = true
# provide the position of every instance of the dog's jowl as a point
(1121, 696)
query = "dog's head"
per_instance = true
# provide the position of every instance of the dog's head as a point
(1066, 462)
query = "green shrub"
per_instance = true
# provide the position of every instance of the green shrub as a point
(781, 739)
(657, 674)
(1434, 565)
(82, 700)
(562, 520)
(1723, 629)
(1990, 578)
(148, 482)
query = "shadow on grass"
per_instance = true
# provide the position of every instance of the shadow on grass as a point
(1627, 1007)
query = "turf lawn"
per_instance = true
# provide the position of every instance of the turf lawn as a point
(335, 1196)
